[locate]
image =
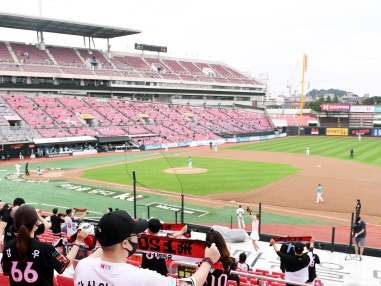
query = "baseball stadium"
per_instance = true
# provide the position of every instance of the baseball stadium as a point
(98, 129)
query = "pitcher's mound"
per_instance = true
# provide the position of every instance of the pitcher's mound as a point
(185, 170)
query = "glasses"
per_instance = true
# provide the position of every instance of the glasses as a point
(135, 234)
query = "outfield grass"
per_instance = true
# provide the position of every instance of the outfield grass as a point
(222, 175)
(367, 151)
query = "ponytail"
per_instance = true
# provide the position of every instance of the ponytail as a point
(22, 242)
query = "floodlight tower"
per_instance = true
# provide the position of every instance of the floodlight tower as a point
(304, 69)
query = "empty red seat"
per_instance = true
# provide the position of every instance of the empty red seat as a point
(4, 280)
(133, 262)
(64, 281)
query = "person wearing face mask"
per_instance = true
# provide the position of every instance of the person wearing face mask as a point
(117, 233)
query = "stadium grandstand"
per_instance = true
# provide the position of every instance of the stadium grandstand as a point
(137, 100)
(66, 101)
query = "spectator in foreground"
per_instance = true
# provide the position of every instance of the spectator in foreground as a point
(56, 221)
(7, 221)
(117, 232)
(224, 264)
(312, 267)
(297, 265)
(20, 261)
(286, 248)
(149, 260)
(241, 264)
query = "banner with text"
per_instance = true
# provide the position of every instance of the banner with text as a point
(335, 107)
(337, 131)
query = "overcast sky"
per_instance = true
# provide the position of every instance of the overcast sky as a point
(342, 38)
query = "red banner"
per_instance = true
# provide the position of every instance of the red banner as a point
(285, 239)
(172, 246)
(172, 227)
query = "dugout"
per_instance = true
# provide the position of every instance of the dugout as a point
(13, 150)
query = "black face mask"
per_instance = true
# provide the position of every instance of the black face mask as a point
(134, 246)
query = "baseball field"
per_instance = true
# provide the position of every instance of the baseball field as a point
(275, 173)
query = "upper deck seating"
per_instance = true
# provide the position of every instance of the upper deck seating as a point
(138, 63)
(175, 67)
(9, 67)
(221, 70)
(66, 56)
(30, 54)
(41, 69)
(191, 67)
(97, 55)
(5, 55)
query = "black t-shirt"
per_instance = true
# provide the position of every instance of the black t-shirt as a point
(42, 259)
(56, 224)
(152, 262)
(12, 233)
(297, 266)
(311, 267)
(9, 221)
(285, 249)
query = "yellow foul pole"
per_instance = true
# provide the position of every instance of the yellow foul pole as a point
(302, 95)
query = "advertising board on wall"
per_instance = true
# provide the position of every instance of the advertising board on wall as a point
(337, 131)
(314, 130)
(358, 131)
(335, 107)
(362, 108)
(376, 132)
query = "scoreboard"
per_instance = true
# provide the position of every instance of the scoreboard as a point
(144, 47)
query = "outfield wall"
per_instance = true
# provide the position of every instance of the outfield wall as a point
(334, 131)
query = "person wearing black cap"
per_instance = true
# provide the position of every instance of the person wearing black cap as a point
(360, 234)
(358, 208)
(56, 221)
(297, 265)
(117, 233)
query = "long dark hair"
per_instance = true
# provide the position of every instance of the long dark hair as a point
(216, 237)
(25, 220)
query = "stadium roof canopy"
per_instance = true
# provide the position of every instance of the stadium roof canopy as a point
(40, 24)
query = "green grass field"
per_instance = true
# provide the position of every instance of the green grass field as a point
(222, 175)
(47, 194)
(367, 151)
